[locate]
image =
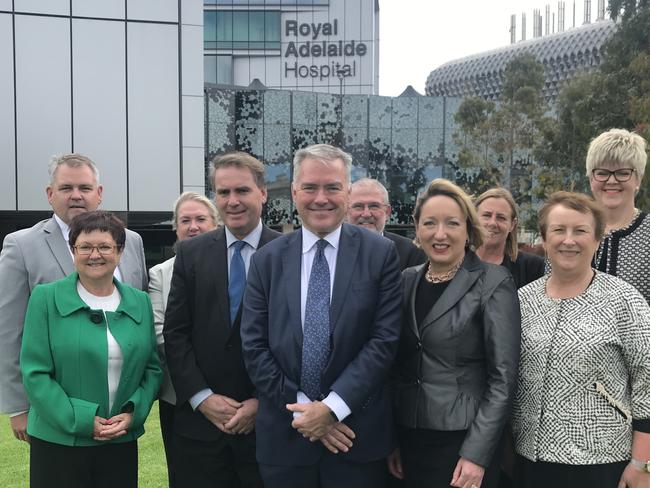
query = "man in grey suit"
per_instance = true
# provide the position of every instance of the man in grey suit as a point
(370, 208)
(41, 254)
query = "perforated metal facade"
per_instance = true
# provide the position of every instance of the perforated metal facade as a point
(563, 55)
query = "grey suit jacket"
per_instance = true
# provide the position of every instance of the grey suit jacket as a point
(160, 280)
(30, 257)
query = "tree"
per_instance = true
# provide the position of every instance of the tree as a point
(496, 140)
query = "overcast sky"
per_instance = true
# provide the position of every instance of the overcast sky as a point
(417, 36)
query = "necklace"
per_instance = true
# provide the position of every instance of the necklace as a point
(431, 278)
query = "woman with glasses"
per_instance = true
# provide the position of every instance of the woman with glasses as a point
(615, 165)
(90, 365)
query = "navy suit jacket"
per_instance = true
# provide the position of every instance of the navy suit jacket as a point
(365, 320)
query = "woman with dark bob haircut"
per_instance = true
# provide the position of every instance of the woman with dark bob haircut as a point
(89, 364)
(456, 366)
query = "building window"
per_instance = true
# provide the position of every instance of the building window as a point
(241, 29)
(217, 69)
(266, 2)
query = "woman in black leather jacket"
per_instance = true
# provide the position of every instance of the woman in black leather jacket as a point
(456, 367)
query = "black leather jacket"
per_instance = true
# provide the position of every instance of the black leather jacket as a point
(458, 370)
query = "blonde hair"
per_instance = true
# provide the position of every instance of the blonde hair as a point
(512, 246)
(194, 197)
(442, 187)
(618, 148)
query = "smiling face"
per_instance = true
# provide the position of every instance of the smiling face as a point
(613, 194)
(193, 218)
(238, 199)
(73, 191)
(570, 240)
(367, 208)
(96, 267)
(321, 192)
(442, 232)
(495, 215)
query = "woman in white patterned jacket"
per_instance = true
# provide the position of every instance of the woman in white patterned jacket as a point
(582, 410)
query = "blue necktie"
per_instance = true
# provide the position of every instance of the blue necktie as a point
(236, 280)
(316, 330)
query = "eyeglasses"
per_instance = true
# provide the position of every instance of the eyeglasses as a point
(621, 175)
(372, 207)
(102, 249)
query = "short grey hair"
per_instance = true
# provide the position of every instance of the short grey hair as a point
(194, 197)
(371, 182)
(619, 148)
(74, 160)
(324, 153)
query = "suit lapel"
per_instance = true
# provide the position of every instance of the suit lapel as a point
(465, 278)
(58, 246)
(345, 260)
(214, 276)
(291, 272)
(412, 292)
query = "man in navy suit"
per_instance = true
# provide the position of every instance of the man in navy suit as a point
(320, 326)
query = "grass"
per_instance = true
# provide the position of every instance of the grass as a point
(152, 469)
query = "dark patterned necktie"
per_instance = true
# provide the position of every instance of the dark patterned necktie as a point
(316, 330)
(236, 280)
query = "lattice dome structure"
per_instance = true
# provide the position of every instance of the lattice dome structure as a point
(563, 55)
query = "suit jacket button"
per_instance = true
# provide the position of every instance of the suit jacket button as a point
(418, 346)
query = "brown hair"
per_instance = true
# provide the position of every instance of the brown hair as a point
(241, 160)
(574, 201)
(100, 220)
(442, 187)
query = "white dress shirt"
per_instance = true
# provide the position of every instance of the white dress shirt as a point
(309, 240)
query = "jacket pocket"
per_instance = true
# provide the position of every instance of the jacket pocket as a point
(613, 402)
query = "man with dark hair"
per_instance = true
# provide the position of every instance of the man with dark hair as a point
(216, 404)
(41, 254)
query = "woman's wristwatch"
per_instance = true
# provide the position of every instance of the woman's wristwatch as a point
(642, 465)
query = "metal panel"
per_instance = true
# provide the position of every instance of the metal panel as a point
(99, 103)
(43, 110)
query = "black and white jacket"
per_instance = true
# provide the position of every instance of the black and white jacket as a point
(584, 373)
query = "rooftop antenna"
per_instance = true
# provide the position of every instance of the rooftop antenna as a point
(560, 16)
(513, 29)
(587, 19)
(547, 20)
(523, 26)
(601, 10)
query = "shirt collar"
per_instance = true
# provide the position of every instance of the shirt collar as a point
(309, 239)
(252, 239)
(65, 228)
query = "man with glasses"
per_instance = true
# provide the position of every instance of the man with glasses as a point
(369, 207)
(41, 254)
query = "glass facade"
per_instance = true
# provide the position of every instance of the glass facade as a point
(241, 29)
(400, 141)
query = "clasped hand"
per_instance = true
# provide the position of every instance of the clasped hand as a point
(108, 429)
(316, 423)
(229, 415)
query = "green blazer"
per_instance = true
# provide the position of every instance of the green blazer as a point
(64, 362)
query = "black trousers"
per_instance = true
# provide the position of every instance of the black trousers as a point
(104, 466)
(529, 474)
(331, 471)
(429, 458)
(226, 463)
(166, 411)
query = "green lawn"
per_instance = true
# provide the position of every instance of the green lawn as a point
(14, 456)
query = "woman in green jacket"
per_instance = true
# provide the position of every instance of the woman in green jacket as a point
(89, 364)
